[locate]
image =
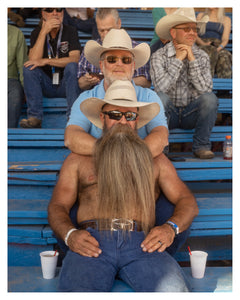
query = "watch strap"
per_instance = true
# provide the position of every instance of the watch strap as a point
(174, 227)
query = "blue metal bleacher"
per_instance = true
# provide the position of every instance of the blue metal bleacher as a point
(132, 21)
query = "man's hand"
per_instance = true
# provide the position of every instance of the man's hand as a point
(36, 63)
(88, 81)
(184, 51)
(159, 238)
(81, 242)
(50, 24)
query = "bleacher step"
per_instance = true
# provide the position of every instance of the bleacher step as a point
(29, 279)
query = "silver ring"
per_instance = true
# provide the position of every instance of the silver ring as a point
(160, 243)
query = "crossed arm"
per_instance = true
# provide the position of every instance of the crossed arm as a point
(79, 141)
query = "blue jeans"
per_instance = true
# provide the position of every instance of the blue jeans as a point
(37, 84)
(121, 256)
(200, 114)
(15, 100)
(164, 210)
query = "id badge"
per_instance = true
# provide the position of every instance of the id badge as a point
(55, 78)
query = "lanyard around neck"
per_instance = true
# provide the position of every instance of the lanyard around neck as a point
(50, 49)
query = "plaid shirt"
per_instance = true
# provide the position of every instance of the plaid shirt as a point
(183, 81)
(85, 66)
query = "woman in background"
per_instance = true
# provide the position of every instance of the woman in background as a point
(214, 38)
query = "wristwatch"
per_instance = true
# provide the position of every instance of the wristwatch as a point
(174, 227)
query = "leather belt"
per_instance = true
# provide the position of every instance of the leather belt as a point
(112, 225)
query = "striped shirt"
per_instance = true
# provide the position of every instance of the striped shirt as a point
(84, 66)
(183, 81)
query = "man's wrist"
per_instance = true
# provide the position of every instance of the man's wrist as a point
(68, 235)
(174, 227)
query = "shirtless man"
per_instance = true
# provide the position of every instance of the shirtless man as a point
(116, 233)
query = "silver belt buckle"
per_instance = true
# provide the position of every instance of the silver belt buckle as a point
(122, 224)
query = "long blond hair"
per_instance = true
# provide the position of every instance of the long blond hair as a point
(124, 169)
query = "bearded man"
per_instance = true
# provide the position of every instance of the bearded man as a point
(117, 59)
(116, 192)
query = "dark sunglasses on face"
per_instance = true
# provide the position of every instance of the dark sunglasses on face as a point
(111, 59)
(50, 9)
(188, 29)
(117, 115)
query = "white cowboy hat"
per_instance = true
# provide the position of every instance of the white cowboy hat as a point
(117, 39)
(120, 93)
(180, 16)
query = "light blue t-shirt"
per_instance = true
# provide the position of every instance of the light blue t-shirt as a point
(143, 95)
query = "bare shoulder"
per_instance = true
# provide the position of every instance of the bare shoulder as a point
(72, 159)
(76, 162)
(161, 161)
(227, 21)
(163, 166)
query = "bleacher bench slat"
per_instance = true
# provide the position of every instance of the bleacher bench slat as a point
(19, 137)
(29, 279)
(60, 105)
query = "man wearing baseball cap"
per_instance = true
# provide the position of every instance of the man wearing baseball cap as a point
(181, 76)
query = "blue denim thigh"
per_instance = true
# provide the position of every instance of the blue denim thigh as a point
(70, 81)
(36, 85)
(201, 114)
(15, 100)
(150, 272)
(121, 254)
(90, 274)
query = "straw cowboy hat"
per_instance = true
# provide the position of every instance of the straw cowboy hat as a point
(117, 39)
(180, 16)
(120, 93)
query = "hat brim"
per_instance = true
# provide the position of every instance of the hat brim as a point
(92, 108)
(94, 50)
(167, 22)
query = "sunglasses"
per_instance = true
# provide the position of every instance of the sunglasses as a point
(117, 115)
(51, 9)
(111, 59)
(188, 29)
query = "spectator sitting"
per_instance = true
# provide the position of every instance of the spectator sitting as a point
(29, 12)
(181, 76)
(16, 18)
(89, 75)
(82, 18)
(17, 55)
(117, 59)
(157, 14)
(52, 66)
(115, 234)
(213, 39)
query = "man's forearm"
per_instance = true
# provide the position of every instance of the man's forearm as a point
(59, 220)
(185, 212)
(79, 141)
(142, 81)
(62, 62)
(36, 52)
(157, 140)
